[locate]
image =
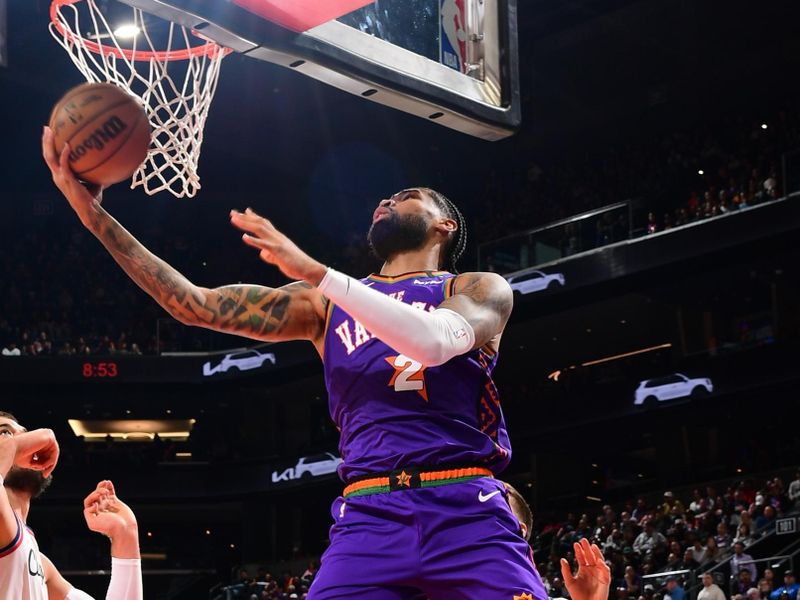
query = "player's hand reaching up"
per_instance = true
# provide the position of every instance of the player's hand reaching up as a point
(105, 513)
(277, 249)
(82, 197)
(593, 578)
(37, 450)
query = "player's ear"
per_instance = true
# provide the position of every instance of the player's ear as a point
(523, 529)
(446, 226)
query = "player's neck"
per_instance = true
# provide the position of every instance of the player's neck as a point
(424, 259)
(21, 503)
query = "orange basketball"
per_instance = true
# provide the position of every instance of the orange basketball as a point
(107, 131)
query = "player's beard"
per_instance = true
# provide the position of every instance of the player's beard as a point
(394, 234)
(27, 481)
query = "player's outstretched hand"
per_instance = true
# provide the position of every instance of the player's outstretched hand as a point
(80, 196)
(277, 249)
(593, 578)
(37, 450)
(105, 513)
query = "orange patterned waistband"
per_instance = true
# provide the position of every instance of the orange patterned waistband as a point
(412, 478)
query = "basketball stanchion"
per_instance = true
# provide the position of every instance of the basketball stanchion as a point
(173, 70)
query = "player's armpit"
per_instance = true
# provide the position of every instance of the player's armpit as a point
(485, 300)
(292, 312)
(57, 586)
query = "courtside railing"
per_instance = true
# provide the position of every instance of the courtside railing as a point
(573, 235)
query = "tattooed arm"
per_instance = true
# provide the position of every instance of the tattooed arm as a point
(485, 301)
(294, 311)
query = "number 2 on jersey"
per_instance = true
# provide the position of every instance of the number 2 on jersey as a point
(409, 375)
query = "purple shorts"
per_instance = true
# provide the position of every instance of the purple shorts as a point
(453, 542)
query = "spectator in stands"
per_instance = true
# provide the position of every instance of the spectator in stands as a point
(699, 551)
(764, 588)
(647, 541)
(613, 542)
(789, 587)
(640, 511)
(698, 503)
(674, 589)
(631, 581)
(558, 589)
(723, 538)
(712, 550)
(767, 517)
(740, 557)
(673, 562)
(710, 591)
(743, 535)
(744, 581)
(769, 575)
(688, 560)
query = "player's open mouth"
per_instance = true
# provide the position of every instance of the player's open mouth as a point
(380, 212)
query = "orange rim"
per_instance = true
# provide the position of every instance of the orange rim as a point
(210, 48)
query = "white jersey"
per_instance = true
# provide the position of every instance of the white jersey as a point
(21, 572)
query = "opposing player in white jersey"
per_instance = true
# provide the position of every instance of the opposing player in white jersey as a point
(27, 460)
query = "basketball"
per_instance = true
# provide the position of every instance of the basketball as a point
(107, 131)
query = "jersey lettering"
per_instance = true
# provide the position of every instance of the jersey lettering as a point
(354, 339)
(362, 335)
(34, 565)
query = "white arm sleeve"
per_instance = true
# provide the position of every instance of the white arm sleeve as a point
(126, 579)
(76, 594)
(431, 338)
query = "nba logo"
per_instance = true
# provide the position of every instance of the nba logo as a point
(453, 34)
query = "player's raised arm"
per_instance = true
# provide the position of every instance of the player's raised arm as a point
(9, 527)
(105, 513)
(294, 311)
(474, 315)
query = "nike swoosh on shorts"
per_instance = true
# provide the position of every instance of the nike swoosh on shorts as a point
(482, 498)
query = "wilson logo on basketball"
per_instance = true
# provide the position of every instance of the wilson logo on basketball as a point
(99, 137)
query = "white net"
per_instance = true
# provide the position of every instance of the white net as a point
(175, 80)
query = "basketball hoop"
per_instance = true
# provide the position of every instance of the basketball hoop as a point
(177, 103)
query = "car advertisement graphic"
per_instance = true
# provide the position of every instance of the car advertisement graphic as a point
(535, 281)
(245, 360)
(308, 467)
(677, 385)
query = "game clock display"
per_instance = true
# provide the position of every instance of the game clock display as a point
(100, 370)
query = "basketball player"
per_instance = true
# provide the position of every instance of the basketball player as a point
(522, 511)
(593, 577)
(408, 355)
(27, 460)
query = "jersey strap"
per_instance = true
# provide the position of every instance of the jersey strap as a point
(9, 548)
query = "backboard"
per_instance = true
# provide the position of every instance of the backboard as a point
(453, 62)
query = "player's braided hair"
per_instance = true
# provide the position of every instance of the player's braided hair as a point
(458, 242)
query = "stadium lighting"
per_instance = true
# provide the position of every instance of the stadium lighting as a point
(127, 31)
(701, 172)
(763, 126)
(132, 430)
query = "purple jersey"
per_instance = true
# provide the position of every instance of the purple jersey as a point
(394, 412)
